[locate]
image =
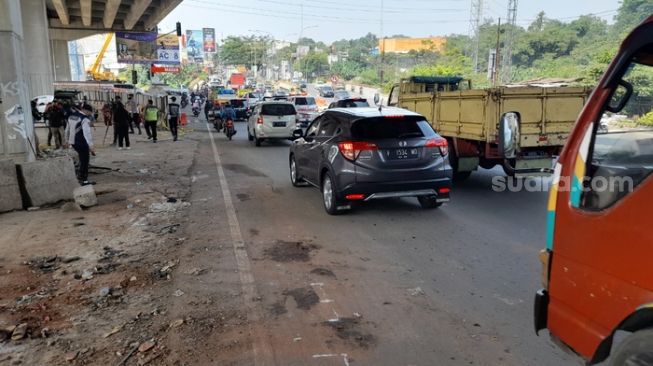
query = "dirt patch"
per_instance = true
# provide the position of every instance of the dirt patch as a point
(348, 330)
(323, 272)
(305, 297)
(243, 169)
(278, 308)
(254, 232)
(290, 251)
(243, 197)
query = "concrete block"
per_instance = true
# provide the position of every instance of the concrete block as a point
(10, 198)
(48, 181)
(85, 196)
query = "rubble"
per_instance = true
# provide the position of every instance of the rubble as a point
(85, 196)
(70, 207)
(19, 332)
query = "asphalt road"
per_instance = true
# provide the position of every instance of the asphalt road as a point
(397, 285)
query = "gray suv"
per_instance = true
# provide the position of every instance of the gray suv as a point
(362, 154)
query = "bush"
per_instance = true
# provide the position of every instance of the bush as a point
(646, 120)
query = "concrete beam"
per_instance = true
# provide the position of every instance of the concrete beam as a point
(136, 12)
(62, 11)
(85, 6)
(162, 11)
(110, 11)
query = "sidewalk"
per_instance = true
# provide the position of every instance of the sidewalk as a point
(90, 287)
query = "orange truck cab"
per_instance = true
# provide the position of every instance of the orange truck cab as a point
(597, 268)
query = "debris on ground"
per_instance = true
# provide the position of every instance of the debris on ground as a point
(305, 297)
(146, 346)
(347, 329)
(417, 291)
(290, 251)
(19, 332)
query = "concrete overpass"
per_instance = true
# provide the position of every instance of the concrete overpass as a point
(34, 37)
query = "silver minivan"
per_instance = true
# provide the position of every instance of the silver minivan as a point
(272, 120)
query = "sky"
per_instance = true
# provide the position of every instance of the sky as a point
(330, 20)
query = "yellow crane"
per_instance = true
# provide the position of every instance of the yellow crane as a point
(94, 72)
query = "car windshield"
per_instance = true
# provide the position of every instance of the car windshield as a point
(278, 109)
(237, 103)
(378, 128)
(305, 101)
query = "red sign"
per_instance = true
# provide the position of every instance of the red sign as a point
(164, 69)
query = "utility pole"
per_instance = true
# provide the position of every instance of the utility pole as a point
(497, 57)
(476, 13)
(509, 41)
(382, 47)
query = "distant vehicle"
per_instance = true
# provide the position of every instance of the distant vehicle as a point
(326, 91)
(350, 103)
(240, 107)
(302, 87)
(341, 94)
(340, 86)
(236, 81)
(362, 154)
(277, 98)
(272, 120)
(281, 92)
(306, 109)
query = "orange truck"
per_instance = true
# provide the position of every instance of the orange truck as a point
(597, 268)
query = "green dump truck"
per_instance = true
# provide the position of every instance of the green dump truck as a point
(536, 121)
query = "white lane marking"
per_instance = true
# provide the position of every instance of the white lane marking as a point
(261, 348)
(344, 356)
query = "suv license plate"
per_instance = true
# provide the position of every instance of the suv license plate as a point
(402, 154)
(278, 124)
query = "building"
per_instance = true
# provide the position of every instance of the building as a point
(405, 45)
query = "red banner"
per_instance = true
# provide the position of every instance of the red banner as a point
(165, 69)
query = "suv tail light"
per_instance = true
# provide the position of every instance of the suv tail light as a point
(440, 143)
(259, 121)
(351, 149)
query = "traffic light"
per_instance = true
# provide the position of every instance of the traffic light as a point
(178, 29)
(134, 77)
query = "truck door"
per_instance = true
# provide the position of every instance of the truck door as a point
(599, 241)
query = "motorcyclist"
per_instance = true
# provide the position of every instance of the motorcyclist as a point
(208, 106)
(229, 114)
(196, 107)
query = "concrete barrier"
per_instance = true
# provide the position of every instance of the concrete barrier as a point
(10, 198)
(48, 181)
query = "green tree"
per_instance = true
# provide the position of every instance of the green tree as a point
(313, 64)
(248, 51)
(630, 14)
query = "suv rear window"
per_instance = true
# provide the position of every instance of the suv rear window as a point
(352, 103)
(305, 101)
(277, 110)
(378, 128)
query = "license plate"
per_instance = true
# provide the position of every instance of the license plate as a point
(278, 124)
(402, 154)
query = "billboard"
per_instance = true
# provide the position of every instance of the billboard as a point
(209, 39)
(168, 50)
(136, 47)
(195, 45)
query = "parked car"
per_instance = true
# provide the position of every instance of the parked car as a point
(362, 154)
(341, 94)
(349, 103)
(326, 91)
(306, 109)
(272, 120)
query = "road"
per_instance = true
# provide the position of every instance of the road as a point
(387, 284)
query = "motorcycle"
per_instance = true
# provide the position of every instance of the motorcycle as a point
(196, 111)
(184, 103)
(229, 129)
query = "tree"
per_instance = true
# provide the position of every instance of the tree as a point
(630, 14)
(313, 64)
(244, 50)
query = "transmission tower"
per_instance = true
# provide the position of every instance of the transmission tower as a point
(475, 15)
(509, 41)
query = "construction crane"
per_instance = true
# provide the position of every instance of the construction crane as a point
(94, 72)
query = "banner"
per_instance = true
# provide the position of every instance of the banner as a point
(195, 45)
(209, 39)
(165, 69)
(168, 50)
(136, 47)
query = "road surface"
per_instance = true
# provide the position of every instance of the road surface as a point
(387, 284)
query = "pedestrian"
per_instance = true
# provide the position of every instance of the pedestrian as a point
(173, 117)
(78, 135)
(132, 108)
(151, 115)
(207, 107)
(57, 124)
(121, 120)
(46, 116)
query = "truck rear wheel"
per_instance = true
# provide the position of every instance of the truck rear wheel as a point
(636, 349)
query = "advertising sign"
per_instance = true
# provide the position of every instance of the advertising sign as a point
(195, 45)
(168, 50)
(209, 39)
(136, 47)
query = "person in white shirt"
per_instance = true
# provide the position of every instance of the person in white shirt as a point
(78, 135)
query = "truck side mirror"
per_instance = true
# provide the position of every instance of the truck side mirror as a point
(509, 135)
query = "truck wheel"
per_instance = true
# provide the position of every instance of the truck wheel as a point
(636, 350)
(509, 167)
(429, 202)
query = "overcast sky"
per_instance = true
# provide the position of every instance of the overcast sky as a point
(329, 20)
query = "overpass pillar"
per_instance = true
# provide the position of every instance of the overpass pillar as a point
(39, 73)
(16, 125)
(61, 57)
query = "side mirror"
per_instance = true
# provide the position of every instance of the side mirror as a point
(620, 97)
(298, 134)
(509, 135)
(377, 98)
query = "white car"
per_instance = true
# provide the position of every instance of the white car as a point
(307, 109)
(272, 120)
